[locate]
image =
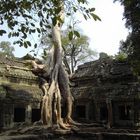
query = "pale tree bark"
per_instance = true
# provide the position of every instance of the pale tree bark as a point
(59, 86)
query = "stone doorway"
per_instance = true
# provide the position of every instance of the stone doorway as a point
(81, 111)
(19, 114)
(103, 114)
(36, 115)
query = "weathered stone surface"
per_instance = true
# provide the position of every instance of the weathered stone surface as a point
(88, 133)
(20, 95)
(107, 91)
(105, 71)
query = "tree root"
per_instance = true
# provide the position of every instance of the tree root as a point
(70, 121)
(64, 126)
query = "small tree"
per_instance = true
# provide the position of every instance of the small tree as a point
(76, 50)
(6, 49)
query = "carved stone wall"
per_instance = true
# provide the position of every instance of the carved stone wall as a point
(20, 96)
(111, 90)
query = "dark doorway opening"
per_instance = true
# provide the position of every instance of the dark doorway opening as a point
(36, 115)
(124, 112)
(103, 113)
(81, 111)
(19, 114)
(63, 111)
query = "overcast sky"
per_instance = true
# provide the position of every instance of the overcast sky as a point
(105, 35)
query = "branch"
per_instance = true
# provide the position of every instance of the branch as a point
(16, 67)
(78, 51)
(75, 62)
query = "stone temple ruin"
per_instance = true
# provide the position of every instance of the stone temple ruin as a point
(106, 92)
(20, 95)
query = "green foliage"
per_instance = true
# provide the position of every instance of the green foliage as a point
(26, 17)
(131, 45)
(6, 49)
(70, 35)
(2, 32)
(121, 56)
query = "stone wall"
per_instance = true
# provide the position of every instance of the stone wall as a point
(112, 91)
(20, 95)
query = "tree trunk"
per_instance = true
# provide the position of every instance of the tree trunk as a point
(59, 86)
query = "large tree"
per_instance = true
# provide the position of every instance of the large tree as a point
(76, 50)
(131, 44)
(20, 16)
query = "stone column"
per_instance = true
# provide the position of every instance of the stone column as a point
(97, 113)
(28, 115)
(7, 115)
(87, 111)
(110, 114)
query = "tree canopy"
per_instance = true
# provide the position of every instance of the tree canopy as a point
(26, 17)
(76, 51)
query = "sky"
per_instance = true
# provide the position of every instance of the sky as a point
(104, 36)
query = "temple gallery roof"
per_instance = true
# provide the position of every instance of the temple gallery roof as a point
(15, 68)
(11, 61)
(17, 82)
(102, 68)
